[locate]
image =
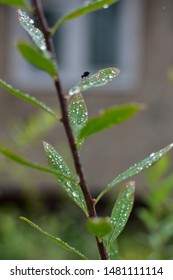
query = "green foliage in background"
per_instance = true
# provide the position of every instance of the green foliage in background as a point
(157, 216)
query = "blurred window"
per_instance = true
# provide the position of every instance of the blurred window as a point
(108, 37)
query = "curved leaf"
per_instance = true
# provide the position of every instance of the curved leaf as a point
(36, 58)
(20, 160)
(55, 239)
(16, 3)
(72, 189)
(78, 115)
(113, 251)
(136, 168)
(108, 118)
(87, 7)
(101, 78)
(121, 212)
(36, 35)
(27, 98)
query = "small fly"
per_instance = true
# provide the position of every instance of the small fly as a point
(85, 74)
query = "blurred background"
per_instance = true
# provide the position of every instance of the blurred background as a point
(135, 36)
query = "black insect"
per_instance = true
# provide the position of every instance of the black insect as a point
(85, 74)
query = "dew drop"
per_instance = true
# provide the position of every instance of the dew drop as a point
(105, 6)
(69, 184)
(75, 194)
(43, 47)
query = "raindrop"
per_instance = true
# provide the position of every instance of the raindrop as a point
(105, 6)
(75, 194)
(69, 184)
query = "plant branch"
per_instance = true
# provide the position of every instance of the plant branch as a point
(65, 119)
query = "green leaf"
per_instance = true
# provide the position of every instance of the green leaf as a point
(113, 251)
(36, 35)
(99, 226)
(108, 118)
(136, 168)
(87, 7)
(20, 160)
(36, 58)
(16, 3)
(55, 239)
(121, 211)
(78, 115)
(72, 189)
(27, 98)
(101, 78)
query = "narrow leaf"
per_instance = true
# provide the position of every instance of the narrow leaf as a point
(121, 211)
(136, 168)
(36, 58)
(101, 78)
(72, 189)
(113, 251)
(16, 3)
(108, 118)
(27, 98)
(99, 226)
(87, 7)
(78, 115)
(36, 35)
(20, 160)
(55, 239)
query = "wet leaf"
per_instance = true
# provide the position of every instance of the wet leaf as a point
(16, 3)
(27, 98)
(36, 58)
(73, 190)
(55, 239)
(20, 160)
(99, 226)
(108, 118)
(78, 115)
(136, 168)
(113, 251)
(101, 78)
(36, 35)
(121, 212)
(87, 7)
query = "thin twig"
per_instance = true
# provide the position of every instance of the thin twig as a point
(65, 119)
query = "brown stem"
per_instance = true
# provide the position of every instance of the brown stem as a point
(65, 119)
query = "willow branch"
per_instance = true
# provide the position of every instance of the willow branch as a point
(65, 119)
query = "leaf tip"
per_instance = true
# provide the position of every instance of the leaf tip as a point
(45, 145)
(22, 218)
(131, 185)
